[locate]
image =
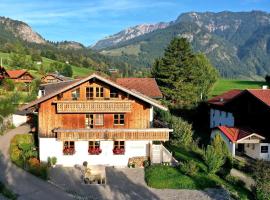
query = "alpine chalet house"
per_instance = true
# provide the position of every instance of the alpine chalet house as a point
(54, 78)
(20, 76)
(98, 120)
(241, 117)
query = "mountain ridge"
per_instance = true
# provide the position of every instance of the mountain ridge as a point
(224, 37)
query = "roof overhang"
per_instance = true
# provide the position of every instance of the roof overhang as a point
(109, 82)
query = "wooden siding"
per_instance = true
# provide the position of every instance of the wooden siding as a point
(118, 134)
(49, 119)
(102, 106)
(50, 79)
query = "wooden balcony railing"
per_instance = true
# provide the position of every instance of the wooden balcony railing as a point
(160, 134)
(106, 106)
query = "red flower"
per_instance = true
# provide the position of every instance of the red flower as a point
(68, 151)
(119, 151)
(94, 151)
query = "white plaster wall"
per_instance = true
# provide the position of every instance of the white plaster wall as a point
(18, 120)
(219, 118)
(256, 152)
(229, 144)
(49, 147)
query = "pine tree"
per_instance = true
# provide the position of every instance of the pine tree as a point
(183, 76)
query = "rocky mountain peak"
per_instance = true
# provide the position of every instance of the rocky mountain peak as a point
(128, 34)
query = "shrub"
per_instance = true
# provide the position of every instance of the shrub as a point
(54, 160)
(16, 155)
(190, 168)
(40, 171)
(8, 84)
(212, 159)
(262, 180)
(49, 161)
(182, 132)
(146, 163)
(33, 162)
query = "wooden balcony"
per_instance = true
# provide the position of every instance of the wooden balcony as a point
(94, 106)
(160, 134)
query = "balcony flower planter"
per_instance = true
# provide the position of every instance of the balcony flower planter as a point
(119, 151)
(94, 151)
(69, 151)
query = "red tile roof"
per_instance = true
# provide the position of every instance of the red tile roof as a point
(146, 86)
(16, 73)
(225, 97)
(235, 134)
(261, 94)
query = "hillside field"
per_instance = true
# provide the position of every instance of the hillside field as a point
(77, 71)
(223, 85)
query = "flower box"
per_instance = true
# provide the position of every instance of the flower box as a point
(94, 151)
(119, 151)
(69, 151)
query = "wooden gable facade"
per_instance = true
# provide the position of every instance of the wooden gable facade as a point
(20, 76)
(111, 112)
(50, 79)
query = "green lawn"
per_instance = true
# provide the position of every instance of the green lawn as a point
(159, 176)
(223, 85)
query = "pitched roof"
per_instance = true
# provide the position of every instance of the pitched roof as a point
(261, 94)
(225, 97)
(58, 76)
(235, 134)
(16, 73)
(146, 86)
(53, 87)
(72, 85)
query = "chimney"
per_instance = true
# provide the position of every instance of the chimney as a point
(114, 74)
(264, 87)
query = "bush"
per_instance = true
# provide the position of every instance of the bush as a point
(190, 168)
(212, 159)
(40, 171)
(8, 84)
(54, 160)
(262, 180)
(146, 163)
(33, 162)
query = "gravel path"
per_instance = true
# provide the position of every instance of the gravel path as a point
(126, 184)
(249, 182)
(27, 186)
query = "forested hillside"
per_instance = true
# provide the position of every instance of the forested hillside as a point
(237, 43)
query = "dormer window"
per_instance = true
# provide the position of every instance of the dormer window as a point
(75, 94)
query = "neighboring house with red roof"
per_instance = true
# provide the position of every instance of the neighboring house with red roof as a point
(100, 121)
(241, 117)
(20, 76)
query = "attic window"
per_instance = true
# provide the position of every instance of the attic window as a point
(75, 94)
(113, 93)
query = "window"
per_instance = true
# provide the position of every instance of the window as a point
(99, 92)
(264, 149)
(119, 119)
(89, 93)
(94, 144)
(99, 119)
(75, 94)
(253, 146)
(113, 93)
(89, 121)
(42, 93)
(119, 147)
(69, 148)
(94, 148)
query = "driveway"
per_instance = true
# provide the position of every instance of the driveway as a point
(125, 184)
(27, 186)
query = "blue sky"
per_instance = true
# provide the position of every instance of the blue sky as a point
(87, 21)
